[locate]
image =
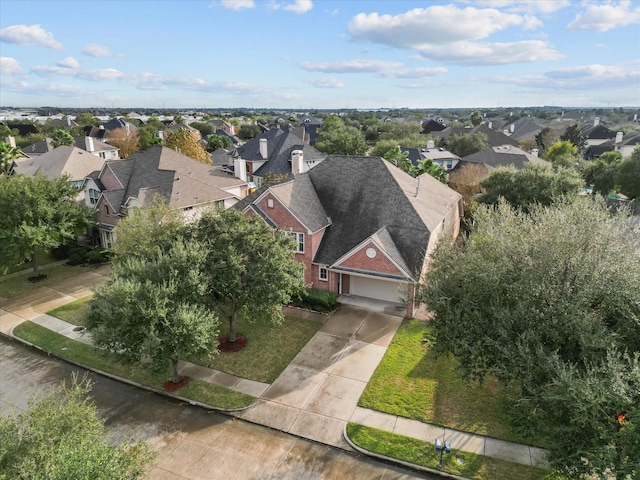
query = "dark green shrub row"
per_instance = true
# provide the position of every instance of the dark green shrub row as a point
(318, 300)
(79, 255)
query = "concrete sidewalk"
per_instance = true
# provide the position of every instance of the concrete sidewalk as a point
(316, 395)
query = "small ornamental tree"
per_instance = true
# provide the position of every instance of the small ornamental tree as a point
(185, 142)
(63, 437)
(127, 141)
(248, 266)
(8, 155)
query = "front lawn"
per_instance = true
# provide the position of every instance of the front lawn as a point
(269, 348)
(412, 383)
(75, 312)
(93, 357)
(10, 287)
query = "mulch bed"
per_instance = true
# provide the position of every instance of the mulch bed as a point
(224, 345)
(169, 386)
(37, 278)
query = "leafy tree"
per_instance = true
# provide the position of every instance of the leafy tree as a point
(86, 118)
(61, 137)
(185, 142)
(271, 177)
(178, 119)
(466, 181)
(203, 127)
(127, 141)
(218, 141)
(574, 135)
(248, 265)
(603, 173)
(426, 165)
(398, 131)
(155, 308)
(335, 138)
(629, 172)
(530, 185)
(465, 144)
(247, 132)
(396, 156)
(563, 153)
(63, 436)
(38, 213)
(414, 141)
(7, 156)
(476, 118)
(548, 302)
(545, 139)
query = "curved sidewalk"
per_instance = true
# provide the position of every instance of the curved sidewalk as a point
(315, 396)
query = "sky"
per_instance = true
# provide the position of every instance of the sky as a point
(319, 54)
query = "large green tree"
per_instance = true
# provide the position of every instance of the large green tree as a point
(7, 156)
(564, 153)
(62, 437)
(529, 185)
(465, 144)
(218, 141)
(336, 138)
(155, 307)
(603, 173)
(574, 135)
(38, 214)
(248, 266)
(629, 175)
(61, 137)
(185, 142)
(549, 302)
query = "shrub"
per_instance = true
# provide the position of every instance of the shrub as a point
(318, 300)
(75, 259)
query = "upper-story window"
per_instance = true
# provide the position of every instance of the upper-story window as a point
(94, 195)
(299, 239)
(106, 210)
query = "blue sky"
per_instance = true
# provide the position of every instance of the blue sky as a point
(309, 54)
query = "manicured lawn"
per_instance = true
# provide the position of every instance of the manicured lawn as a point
(59, 345)
(44, 257)
(412, 383)
(10, 287)
(269, 349)
(465, 464)
(74, 312)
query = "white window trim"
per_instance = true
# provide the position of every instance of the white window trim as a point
(326, 273)
(299, 239)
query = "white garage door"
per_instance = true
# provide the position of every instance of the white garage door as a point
(373, 288)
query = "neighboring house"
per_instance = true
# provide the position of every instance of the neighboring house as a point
(439, 156)
(116, 123)
(503, 156)
(362, 226)
(184, 183)
(624, 145)
(433, 125)
(597, 134)
(23, 129)
(64, 160)
(521, 130)
(226, 127)
(312, 126)
(40, 147)
(97, 148)
(276, 152)
(494, 138)
(95, 132)
(64, 123)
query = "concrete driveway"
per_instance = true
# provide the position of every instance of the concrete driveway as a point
(316, 395)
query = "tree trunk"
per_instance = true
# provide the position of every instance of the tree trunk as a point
(175, 378)
(34, 262)
(232, 326)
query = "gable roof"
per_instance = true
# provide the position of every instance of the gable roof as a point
(181, 180)
(63, 160)
(41, 146)
(503, 156)
(597, 132)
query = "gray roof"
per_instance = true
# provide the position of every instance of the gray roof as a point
(503, 156)
(41, 146)
(597, 132)
(301, 199)
(181, 180)
(63, 160)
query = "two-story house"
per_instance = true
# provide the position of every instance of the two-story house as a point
(362, 226)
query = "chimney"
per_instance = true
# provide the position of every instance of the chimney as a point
(431, 144)
(490, 125)
(619, 136)
(596, 121)
(68, 121)
(263, 148)
(297, 161)
(512, 127)
(11, 140)
(88, 144)
(534, 152)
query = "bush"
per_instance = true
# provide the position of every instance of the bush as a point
(75, 259)
(62, 252)
(318, 300)
(98, 255)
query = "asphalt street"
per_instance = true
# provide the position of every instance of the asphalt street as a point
(191, 443)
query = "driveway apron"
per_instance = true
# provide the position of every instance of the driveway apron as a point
(317, 394)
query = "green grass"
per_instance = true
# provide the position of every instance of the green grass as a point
(269, 349)
(75, 312)
(465, 464)
(89, 356)
(412, 383)
(44, 257)
(10, 287)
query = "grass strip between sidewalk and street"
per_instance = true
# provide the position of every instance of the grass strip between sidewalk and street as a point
(93, 357)
(75, 312)
(417, 452)
(411, 382)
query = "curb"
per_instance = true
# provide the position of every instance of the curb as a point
(410, 465)
(228, 411)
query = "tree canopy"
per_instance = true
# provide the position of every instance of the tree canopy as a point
(563, 153)
(549, 302)
(532, 184)
(38, 213)
(465, 144)
(127, 141)
(574, 135)
(247, 132)
(185, 142)
(61, 437)
(7, 156)
(61, 137)
(629, 175)
(336, 138)
(248, 266)
(218, 141)
(603, 173)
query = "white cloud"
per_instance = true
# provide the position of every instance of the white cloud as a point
(299, 6)
(528, 6)
(89, 74)
(469, 53)
(95, 50)
(237, 4)
(68, 62)
(605, 17)
(325, 82)
(415, 72)
(10, 66)
(351, 66)
(29, 35)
